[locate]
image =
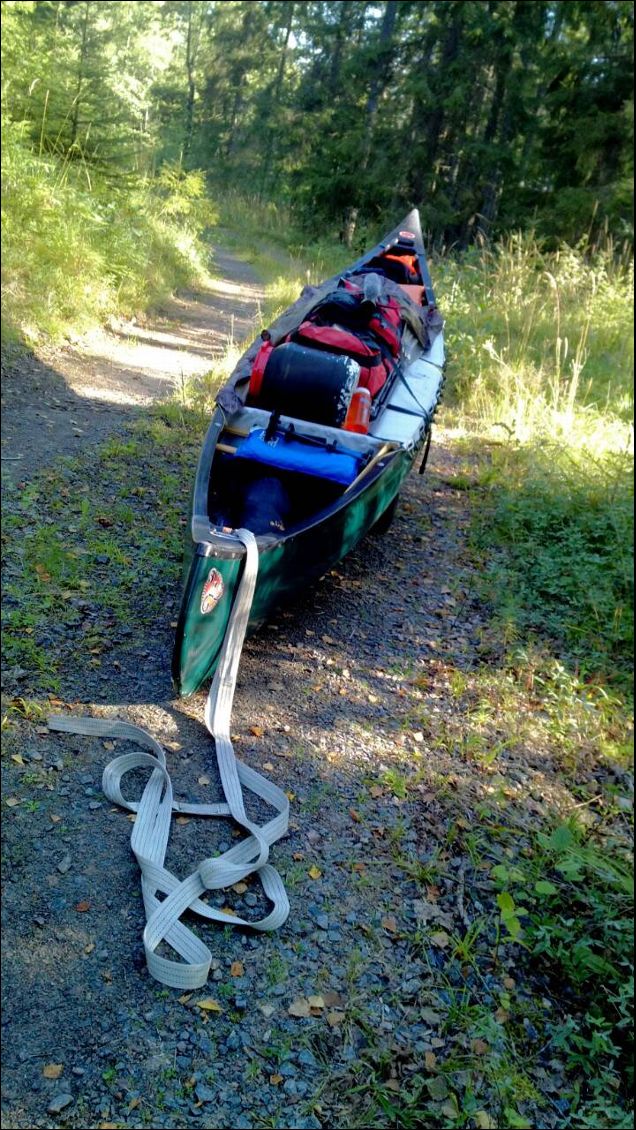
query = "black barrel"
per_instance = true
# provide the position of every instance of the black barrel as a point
(308, 384)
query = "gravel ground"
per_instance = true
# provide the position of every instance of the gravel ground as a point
(341, 700)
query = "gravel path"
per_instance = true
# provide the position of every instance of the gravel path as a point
(342, 700)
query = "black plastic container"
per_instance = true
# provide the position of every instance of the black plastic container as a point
(308, 384)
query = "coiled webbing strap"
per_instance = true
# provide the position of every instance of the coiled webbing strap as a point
(165, 896)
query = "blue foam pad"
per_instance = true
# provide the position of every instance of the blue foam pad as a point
(294, 455)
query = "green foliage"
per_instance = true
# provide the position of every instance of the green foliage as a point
(579, 893)
(541, 343)
(489, 117)
(75, 250)
(563, 523)
(541, 350)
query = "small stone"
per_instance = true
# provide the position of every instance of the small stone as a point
(59, 1103)
(94, 805)
(307, 1058)
(205, 1094)
(64, 865)
(411, 988)
(251, 899)
(322, 920)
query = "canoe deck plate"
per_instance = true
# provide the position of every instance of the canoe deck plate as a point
(154, 810)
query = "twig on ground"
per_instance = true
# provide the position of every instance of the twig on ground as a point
(461, 881)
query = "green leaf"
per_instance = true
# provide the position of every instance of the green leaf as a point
(500, 872)
(561, 838)
(506, 903)
(515, 1120)
(437, 1088)
(544, 887)
(513, 926)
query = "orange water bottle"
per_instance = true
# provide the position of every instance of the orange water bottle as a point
(359, 413)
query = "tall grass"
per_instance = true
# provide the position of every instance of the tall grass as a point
(541, 344)
(76, 250)
(541, 373)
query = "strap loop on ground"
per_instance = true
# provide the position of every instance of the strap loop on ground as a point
(166, 897)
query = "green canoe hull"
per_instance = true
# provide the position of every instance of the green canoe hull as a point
(286, 566)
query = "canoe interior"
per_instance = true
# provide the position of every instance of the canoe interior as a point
(273, 500)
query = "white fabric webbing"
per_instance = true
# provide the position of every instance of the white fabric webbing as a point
(151, 829)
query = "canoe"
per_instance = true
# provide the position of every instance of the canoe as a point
(311, 440)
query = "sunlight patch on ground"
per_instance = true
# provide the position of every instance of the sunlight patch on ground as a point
(153, 360)
(112, 395)
(130, 335)
(236, 290)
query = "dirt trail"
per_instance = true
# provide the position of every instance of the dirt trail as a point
(57, 401)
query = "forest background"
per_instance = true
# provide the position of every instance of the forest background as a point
(125, 125)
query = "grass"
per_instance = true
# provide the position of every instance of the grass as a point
(541, 392)
(88, 555)
(76, 250)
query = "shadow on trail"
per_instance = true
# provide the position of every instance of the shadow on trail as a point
(43, 418)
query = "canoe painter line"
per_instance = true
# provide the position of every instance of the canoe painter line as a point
(151, 830)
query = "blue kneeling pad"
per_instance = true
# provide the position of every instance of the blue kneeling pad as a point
(289, 454)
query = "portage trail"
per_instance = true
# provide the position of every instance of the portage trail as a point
(351, 700)
(65, 399)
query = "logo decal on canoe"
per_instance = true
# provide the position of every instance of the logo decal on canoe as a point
(212, 591)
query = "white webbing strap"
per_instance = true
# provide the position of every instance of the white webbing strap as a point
(151, 830)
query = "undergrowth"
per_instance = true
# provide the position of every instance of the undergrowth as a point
(541, 383)
(77, 249)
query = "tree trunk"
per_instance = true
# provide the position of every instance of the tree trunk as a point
(378, 83)
(349, 222)
(336, 59)
(80, 77)
(379, 80)
(450, 51)
(191, 56)
(276, 96)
